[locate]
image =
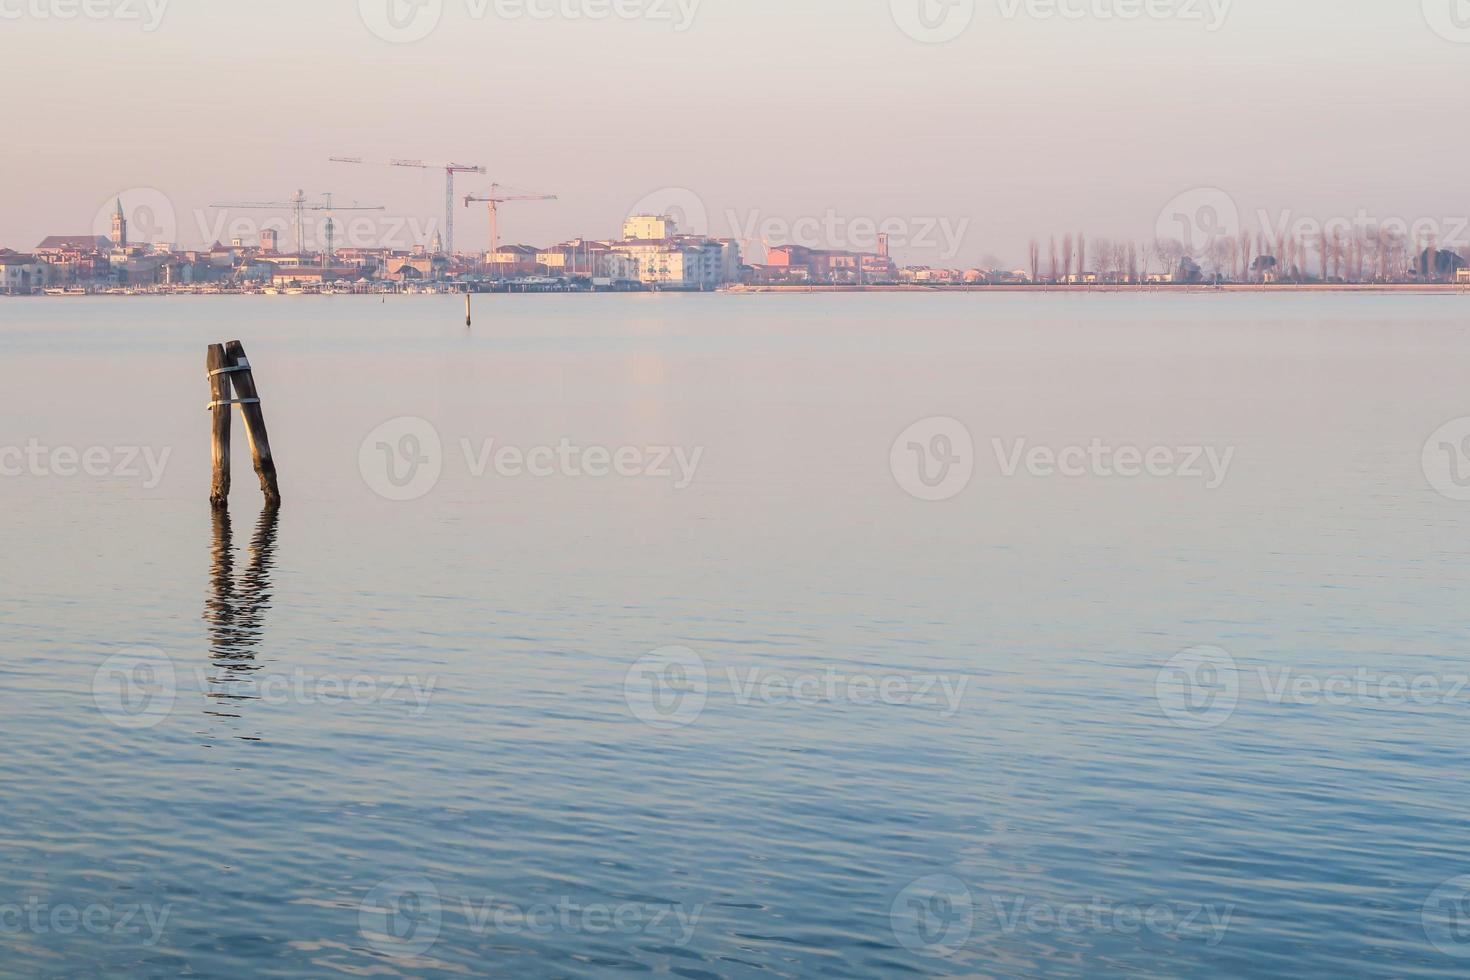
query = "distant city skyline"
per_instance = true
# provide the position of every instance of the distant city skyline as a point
(1031, 120)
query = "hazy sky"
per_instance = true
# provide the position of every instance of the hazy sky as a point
(1040, 117)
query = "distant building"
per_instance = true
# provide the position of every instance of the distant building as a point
(304, 275)
(1438, 264)
(648, 227)
(76, 258)
(269, 240)
(58, 245)
(683, 263)
(832, 265)
(509, 261)
(20, 275)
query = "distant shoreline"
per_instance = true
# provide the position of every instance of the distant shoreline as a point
(1443, 287)
(795, 288)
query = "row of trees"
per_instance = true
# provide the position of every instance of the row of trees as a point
(1379, 254)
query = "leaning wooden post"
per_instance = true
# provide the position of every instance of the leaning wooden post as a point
(250, 411)
(219, 389)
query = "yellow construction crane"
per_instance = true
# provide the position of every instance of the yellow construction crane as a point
(496, 198)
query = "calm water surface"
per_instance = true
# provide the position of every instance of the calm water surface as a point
(425, 737)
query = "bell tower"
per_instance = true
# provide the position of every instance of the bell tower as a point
(119, 227)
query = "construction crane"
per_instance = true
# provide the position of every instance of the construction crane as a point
(450, 169)
(496, 198)
(299, 205)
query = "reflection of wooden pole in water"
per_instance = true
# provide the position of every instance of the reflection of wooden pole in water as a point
(468, 320)
(236, 613)
(219, 389)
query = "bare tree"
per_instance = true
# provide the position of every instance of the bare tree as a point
(1103, 249)
(1171, 252)
(1054, 258)
(1035, 260)
(1066, 257)
(1218, 253)
(1082, 252)
(1132, 261)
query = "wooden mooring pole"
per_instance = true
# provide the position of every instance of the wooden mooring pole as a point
(233, 368)
(219, 407)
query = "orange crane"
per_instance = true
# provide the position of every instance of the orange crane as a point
(496, 198)
(450, 169)
(299, 205)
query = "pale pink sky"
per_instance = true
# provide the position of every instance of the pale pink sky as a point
(767, 111)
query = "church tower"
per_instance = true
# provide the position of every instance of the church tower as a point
(119, 227)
